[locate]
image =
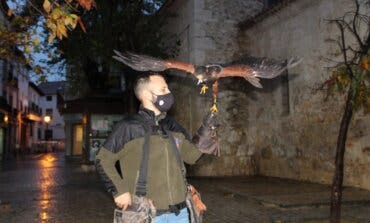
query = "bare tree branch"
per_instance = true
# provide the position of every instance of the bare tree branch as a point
(343, 44)
(354, 25)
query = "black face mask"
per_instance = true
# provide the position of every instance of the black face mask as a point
(164, 102)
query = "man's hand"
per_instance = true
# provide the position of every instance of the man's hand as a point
(123, 200)
(206, 136)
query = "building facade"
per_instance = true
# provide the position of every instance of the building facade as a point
(21, 112)
(286, 129)
(34, 116)
(53, 95)
(89, 122)
(21, 120)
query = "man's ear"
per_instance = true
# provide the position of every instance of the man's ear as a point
(146, 95)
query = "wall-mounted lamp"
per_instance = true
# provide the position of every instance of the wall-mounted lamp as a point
(6, 118)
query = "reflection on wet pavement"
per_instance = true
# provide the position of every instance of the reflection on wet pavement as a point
(45, 181)
(45, 188)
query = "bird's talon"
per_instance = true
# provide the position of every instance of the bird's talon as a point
(214, 108)
(204, 89)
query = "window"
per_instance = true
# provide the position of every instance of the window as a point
(11, 100)
(49, 98)
(271, 3)
(38, 133)
(48, 134)
(49, 111)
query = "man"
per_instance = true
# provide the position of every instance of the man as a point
(118, 161)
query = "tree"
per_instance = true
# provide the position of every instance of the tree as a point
(117, 24)
(20, 31)
(351, 76)
(98, 28)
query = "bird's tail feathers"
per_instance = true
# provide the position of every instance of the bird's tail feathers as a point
(293, 62)
(255, 81)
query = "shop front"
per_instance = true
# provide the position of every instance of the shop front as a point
(88, 123)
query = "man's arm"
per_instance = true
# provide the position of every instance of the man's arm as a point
(203, 141)
(188, 150)
(106, 166)
(108, 156)
(205, 137)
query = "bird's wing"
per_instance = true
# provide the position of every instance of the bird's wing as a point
(256, 68)
(147, 63)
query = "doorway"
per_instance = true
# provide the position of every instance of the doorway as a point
(1, 143)
(77, 139)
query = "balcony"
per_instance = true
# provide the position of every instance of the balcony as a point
(32, 113)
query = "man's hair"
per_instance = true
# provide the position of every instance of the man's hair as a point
(142, 81)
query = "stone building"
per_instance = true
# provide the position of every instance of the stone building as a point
(287, 129)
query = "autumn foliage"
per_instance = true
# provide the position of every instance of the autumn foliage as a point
(60, 18)
(19, 33)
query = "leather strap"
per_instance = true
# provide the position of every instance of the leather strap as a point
(141, 183)
(173, 208)
(177, 155)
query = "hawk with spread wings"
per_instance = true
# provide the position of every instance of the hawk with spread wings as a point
(252, 72)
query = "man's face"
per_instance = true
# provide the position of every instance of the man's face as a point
(157, 86)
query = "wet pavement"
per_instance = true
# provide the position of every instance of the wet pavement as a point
(46, 188)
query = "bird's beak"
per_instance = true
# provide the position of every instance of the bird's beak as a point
(200, 79)
(200, 82)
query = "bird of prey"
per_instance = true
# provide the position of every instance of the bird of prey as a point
(252, 72)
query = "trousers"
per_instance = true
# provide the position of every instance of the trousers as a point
(183, 217)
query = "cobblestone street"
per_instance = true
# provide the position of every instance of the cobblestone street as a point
(46, 188)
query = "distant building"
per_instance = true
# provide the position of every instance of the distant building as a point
(89, 121)
(91, 110)
(53, 95)
(29, 113)
(34, 115)
(20, 112)
(7, 120)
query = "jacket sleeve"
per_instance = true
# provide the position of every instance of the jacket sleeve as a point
(189, 151)
(106, 166)
(108, 156)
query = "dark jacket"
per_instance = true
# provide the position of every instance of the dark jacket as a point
(118, 160)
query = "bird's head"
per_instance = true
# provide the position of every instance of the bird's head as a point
(213, 70)
(207, 73)
(200, 73)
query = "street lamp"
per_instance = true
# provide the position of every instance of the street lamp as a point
(47, 119)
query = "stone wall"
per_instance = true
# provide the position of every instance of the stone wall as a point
(287, 129)
(209, 34)
(301, 145)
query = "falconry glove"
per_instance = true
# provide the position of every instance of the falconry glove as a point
(206, 136)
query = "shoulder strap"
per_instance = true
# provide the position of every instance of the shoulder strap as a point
(143, 171)
(177, 155)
